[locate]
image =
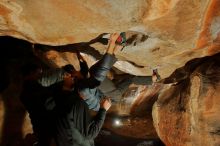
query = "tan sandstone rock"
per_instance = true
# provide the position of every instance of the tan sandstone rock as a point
(177, 30)
(186, 114)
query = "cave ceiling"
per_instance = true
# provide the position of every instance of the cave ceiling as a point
(163, 34)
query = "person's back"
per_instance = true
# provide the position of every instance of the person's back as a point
(35, 99)
(65, 131)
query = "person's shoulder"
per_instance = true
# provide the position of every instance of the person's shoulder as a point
(80, 104)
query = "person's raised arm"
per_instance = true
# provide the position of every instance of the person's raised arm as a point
(99, 70)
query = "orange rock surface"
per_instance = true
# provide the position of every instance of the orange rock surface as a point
(177, 30)
(186, 113)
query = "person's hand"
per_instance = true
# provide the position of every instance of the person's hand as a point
(105, 103)
(114, 37)
(112, 40)
(79, 56)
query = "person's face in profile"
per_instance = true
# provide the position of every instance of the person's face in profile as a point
(68, 80)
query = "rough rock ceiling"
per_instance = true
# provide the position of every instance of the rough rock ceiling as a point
(177, 30)
(163, 34)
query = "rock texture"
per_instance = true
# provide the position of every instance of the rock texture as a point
(177, 30)
(163, 34)
(186, 112)
(142, 105)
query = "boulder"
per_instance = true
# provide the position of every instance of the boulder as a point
(186, 112)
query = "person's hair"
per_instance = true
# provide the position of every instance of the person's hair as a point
(29, 68)
(69, 68)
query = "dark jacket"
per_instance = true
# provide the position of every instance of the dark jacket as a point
(93, 94)
(37, 98)
(88, 87)
(74, 125)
